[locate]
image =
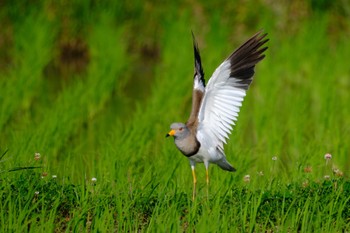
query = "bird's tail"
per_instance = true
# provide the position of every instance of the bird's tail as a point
(225, 165)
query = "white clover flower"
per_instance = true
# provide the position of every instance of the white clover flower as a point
(93, 179)
(54, 176)
(274, 158)
(37, 156)
(340, 173)
(246, 178)
(36, 192)
(326, 177)
(328, 156)
(337, 172)
(305, 184)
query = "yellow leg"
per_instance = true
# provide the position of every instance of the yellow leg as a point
(207, 176)
(194, 183)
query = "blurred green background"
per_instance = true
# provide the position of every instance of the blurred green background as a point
(94, 85)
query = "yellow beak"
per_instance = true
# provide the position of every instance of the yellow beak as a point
(171, 133)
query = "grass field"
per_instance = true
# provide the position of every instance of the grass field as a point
(93, 89)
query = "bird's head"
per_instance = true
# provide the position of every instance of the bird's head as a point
(178, 130)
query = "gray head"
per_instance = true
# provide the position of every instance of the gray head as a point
(178, 130)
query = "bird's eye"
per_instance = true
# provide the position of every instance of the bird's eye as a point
(180, 129)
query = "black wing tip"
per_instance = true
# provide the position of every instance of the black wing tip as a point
(261, 34)
(258, 39)
(252, 45)
(195, 47)
(197, 59)
(261, 40)
(244, 59)
(250, 52)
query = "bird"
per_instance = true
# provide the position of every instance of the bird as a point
(215, 106)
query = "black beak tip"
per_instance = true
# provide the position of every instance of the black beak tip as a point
(167, 135)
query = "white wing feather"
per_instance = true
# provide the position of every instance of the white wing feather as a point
(223, 97)
(220, 107)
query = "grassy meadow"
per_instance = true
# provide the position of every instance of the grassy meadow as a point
(88, 91)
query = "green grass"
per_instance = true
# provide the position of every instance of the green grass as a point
(94, 87)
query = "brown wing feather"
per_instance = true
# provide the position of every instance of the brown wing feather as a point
(198, 87)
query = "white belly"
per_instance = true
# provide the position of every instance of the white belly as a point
(205, 154)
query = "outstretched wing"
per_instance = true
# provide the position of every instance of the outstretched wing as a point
(198, 86)
(225, 92)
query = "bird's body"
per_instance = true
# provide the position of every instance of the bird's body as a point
(215, 106)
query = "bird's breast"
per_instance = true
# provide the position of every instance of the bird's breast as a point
(188, 146)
